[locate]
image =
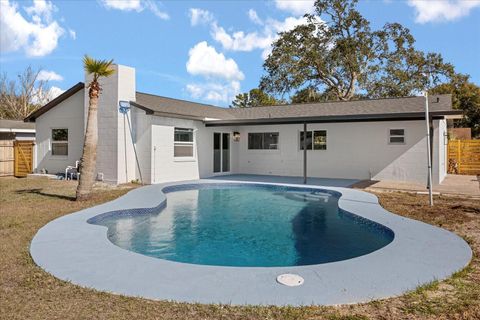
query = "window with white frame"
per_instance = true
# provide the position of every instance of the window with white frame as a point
(60, 142)
(318, 142)
(183, 143)
(396, 136)
(263, 140)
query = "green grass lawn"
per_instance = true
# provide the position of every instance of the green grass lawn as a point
(27, 292)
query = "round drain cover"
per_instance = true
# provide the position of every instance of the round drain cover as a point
(290, 279)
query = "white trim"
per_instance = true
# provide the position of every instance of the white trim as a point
(17, 130)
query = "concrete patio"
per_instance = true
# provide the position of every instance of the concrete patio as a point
(463, 185)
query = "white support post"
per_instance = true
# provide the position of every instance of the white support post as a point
(429, 154)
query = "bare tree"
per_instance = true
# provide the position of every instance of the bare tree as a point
(23, 95)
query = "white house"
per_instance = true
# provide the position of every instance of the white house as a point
(381, 139)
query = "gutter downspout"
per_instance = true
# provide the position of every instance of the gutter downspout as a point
(304, 153)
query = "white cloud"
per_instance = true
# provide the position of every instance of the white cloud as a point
(42, 98)
(221, 75)
(136, 5)
(152, 6)
(441, 10)
(37, 34)
(54, 92)
(124, 5)
(72, 34)
(253, 16)
(246, 41)
(296, 7)
(45, 75)
(241, 41)
(204, 60)
(200, 16)
(41, 9)
(214, 91)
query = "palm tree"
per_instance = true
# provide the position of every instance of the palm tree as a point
(97, 68)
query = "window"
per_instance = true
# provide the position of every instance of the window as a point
(183, 142)
(59, 142)
(319, 140)
(397, 136)
(263, 141)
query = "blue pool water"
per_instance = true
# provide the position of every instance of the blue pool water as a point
(246, 225)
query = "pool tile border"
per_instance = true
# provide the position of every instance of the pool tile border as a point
(73, 250)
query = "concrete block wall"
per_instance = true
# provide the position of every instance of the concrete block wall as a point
(111, 162)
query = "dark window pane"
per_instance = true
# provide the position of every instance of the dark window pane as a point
(216, 152)
(183, 150)
(59, 149)
(216, 141)
(255, 141)
(225, 140)
(183, 135)
(60, 134)
(397, 132)
(263, 141)
(397, 140)
(270, 140)
(320, 140)
(309, 140)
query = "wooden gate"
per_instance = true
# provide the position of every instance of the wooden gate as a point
(23, 158)
(466, 155)
(7, 159)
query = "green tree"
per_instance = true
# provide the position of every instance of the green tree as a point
(254, 98)
(337, 52)
(465, 97)
(98, 69)
(308, 95)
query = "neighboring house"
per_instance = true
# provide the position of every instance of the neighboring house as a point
(383, 139)
(12, 132)
(16, 130)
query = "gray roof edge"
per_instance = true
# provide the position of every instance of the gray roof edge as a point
(431, 97)
(336, 118)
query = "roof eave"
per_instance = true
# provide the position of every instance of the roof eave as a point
(327, 119)
(166, 114)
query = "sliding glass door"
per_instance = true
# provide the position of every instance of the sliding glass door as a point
(221, 152)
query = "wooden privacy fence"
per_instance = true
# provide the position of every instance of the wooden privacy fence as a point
(6, 158)
(23, 158)
(465, 156)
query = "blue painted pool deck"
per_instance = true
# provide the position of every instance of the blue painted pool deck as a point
(73, 250)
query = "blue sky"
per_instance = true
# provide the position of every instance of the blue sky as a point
(204, 51)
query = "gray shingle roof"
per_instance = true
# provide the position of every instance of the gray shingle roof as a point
(180, 107)
(16, 125)
(360, 108)
(347, 108)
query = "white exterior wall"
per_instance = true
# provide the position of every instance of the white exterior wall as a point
(142, 128)
(357, 150)
(67, 114)
(165, 167)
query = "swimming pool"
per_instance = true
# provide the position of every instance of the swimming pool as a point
(80, 247)
(247, 225)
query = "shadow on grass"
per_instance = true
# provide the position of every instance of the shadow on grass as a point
(40, 192)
